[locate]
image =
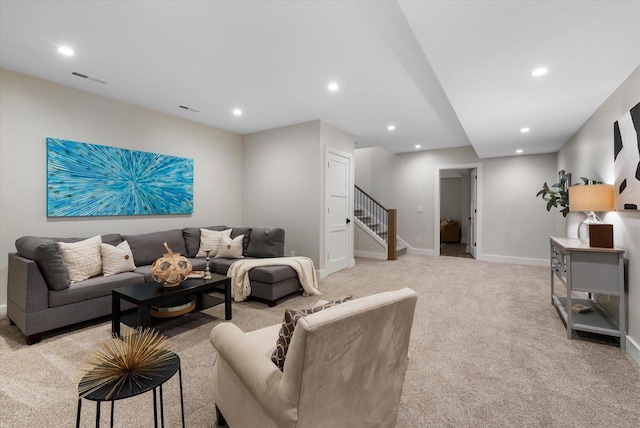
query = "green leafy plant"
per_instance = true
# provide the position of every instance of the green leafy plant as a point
(558, 194)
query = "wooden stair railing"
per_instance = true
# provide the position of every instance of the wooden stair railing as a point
(378, 219)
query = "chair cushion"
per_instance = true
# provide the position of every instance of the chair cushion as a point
(291, 317)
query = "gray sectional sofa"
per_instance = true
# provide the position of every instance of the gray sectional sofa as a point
(40, 297)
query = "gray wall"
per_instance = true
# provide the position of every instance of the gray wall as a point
(33, 109)
(291, 158)
(288, 158)
(589, 153)
(515, 224)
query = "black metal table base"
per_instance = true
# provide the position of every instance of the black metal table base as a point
(152, 384)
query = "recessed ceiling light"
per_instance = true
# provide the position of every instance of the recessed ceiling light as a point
(237, 112)
(66, 50)
(519, 151)
(418, 146)
(539, 72)
(333, 86)
(391, 127)
(524, 130)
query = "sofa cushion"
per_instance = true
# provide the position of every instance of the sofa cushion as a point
(191, 237)
(83, 259)
(230, 248)
(117, 259)
(47, 255)
(272, 274)
(291, 317)
(92, 288)
(266, 243)
(148, 247)
(111, 239)
(210, 240)
(221, 266)
(246, 231)
(145, 271)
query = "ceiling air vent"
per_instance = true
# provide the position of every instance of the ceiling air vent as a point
(84, 76)
(190, 109)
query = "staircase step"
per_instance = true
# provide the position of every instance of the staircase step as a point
(401, 250)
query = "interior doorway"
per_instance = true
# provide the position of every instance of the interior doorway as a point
(457, 196)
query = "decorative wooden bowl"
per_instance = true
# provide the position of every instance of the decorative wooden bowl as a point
(171, 269)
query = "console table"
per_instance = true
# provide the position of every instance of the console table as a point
(590, 270)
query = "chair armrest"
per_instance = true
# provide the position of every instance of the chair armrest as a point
(259, 375)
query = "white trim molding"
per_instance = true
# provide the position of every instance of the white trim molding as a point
(3, 311)
(370, 255)
(513, 260)
(633, 349)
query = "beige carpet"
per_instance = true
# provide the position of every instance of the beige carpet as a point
(487, 350)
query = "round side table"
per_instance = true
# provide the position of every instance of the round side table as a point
(130, 390)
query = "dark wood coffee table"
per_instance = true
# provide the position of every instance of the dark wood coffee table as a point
(151, 293)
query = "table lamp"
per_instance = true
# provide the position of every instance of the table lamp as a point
(590, 198)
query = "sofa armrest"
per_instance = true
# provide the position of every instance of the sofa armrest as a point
(25, 285)
(258, 374)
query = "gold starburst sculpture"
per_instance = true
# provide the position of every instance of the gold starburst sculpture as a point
(139, 356)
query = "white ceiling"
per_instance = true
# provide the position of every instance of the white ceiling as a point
(446, 73)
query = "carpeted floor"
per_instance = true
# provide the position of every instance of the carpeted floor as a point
(455, 249)
(487, 350)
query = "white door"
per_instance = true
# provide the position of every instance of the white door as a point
(474, 213)
(339, 212)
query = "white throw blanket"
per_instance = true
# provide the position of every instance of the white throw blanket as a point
(239, 273)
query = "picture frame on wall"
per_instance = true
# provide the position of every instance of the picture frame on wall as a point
(567, 179)
(626, 160)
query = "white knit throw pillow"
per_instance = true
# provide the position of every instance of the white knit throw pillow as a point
(210, 240)
(83, 259)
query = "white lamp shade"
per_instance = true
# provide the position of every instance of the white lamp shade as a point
(593, 197)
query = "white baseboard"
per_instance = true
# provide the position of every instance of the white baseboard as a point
(420, 252)
(3, 311)
(352, 262)
(370, 255)
(513, 260)
(321, 273)
(633, 349)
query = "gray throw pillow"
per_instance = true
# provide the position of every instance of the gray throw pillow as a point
(47, 255)
(265, 243)
(148, 247)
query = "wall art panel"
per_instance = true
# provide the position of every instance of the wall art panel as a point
(93, 180)
(626, 158)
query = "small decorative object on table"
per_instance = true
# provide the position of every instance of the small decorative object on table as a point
(171, 269)
(207, 272)
(174, 308)
(116, 363)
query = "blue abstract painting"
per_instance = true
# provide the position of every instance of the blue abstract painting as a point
(92, 180)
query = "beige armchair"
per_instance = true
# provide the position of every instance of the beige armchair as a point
(345, 367)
